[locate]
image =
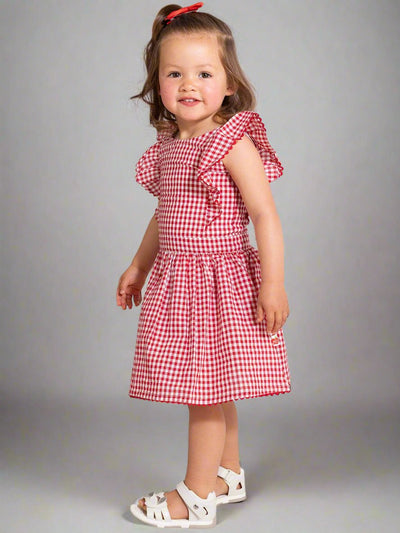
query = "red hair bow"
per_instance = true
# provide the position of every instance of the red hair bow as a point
(178, 12)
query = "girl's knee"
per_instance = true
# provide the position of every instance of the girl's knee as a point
(194, 408)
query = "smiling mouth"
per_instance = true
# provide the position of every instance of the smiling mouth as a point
(188, 100)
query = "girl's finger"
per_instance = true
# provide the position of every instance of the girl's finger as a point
(120, 295)
(278, 322)
(117, 292)
(270, 322)
(123, 297)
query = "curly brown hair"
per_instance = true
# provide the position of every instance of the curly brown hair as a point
(243, 98)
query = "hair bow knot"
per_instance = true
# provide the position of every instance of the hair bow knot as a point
(168, 19)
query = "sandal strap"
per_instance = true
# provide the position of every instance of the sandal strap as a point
(156, 506)
(230, 477)
(198, 507)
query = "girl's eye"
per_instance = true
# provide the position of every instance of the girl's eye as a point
(173, 75)
(205, 75)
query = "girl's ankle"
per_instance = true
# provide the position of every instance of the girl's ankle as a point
(235, 467)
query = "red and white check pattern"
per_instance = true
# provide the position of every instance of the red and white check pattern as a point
(198, 341)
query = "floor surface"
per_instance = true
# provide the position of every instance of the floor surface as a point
(70, 467)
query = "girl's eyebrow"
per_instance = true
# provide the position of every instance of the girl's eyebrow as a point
(207, 65)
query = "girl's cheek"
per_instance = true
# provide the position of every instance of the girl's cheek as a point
(165, 89)
(163, 93)
(210, 88)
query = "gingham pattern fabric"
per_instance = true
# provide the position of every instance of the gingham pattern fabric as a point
(198, 341)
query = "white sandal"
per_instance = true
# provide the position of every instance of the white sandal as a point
(232, 479)
(202, 512)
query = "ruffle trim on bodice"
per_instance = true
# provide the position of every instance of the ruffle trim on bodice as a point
(218, 145)
(215, 145)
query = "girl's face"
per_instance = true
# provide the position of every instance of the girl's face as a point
(193, 81)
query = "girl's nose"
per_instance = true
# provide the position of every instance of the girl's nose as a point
(187, 85)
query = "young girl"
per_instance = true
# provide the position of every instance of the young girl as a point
(210, 326)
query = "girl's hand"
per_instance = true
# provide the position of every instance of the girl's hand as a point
(130, 284)
(272, 301)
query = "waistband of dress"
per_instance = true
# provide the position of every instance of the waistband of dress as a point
(213, 244)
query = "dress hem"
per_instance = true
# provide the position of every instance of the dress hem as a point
(213, 403)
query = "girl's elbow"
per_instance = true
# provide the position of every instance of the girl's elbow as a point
(263, 216)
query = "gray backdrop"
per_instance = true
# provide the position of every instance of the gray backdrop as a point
(77, 450)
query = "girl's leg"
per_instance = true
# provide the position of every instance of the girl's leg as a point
(230, 454)
(206, 445)
(207, 431)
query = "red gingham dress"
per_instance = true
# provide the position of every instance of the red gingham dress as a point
(198, 341)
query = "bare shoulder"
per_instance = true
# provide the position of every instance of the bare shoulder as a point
(245, 166)
(241, 151)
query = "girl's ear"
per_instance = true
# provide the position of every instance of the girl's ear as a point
(232, 88)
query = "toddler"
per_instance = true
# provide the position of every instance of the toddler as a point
(210, 325)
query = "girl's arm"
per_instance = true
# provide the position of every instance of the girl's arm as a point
(244, 165)
(134, 277)
(148, 248)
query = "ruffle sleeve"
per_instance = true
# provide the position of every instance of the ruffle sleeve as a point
(218, 145)
(148, 169)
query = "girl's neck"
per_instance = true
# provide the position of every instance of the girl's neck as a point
(190, 130)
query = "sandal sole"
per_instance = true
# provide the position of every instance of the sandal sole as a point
(227, 499)
(183, 523)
